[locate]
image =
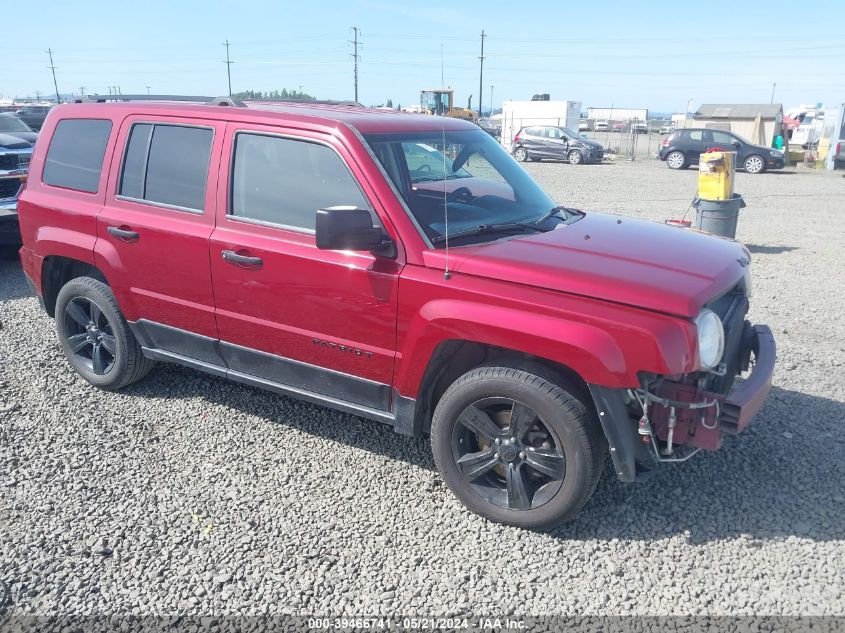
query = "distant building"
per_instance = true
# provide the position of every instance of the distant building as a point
(742, 119)
(617, 114)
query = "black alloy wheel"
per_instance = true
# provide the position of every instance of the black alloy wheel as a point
(90, 335)
(507, 455)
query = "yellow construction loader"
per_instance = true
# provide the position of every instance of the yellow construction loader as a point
(441, 101)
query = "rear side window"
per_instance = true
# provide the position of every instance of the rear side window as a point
(167, 164)
(284, 181)
(695, 135)
(75, 156)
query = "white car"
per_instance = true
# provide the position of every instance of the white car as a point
(666, 129)
(602, 126)
(583, 126)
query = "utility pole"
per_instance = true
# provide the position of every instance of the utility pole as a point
(148, 90)
(228, 63)
(355, 57)
(481, 75)
(82, 90)
(491, 99)
(773, 93)
(53, 68)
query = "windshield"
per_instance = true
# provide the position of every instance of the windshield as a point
(12, 124)
(470, 174)
(573, 134)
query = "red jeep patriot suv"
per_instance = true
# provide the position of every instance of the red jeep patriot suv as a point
(400, 268)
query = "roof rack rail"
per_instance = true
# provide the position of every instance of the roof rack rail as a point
(221, 101)
(352, 104)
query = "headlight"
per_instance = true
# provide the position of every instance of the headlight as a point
(711, 339)
(775, 153)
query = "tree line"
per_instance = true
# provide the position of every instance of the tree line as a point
(274, 95)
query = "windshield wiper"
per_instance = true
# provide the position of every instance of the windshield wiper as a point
(484, 229)
(568, 212)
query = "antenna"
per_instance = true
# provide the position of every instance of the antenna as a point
(446, 274)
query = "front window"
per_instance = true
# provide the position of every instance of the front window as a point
(470, 176)
(12, 124)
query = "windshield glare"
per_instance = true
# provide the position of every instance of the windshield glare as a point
(470, 174)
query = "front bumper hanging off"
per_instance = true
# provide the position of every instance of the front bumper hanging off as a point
(681, 414)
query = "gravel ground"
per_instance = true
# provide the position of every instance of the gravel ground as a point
(187, 494)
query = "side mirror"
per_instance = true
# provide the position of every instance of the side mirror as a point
(736, 144)
(351, 229)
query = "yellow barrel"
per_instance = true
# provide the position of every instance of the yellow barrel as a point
(716, 175)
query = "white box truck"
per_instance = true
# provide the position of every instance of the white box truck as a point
(518, 114)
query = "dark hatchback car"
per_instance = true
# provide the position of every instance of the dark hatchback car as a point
(540, 142)
(682, 148)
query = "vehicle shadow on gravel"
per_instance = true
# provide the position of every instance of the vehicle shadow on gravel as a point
(779, 478)
(762, 249)
(12, 281)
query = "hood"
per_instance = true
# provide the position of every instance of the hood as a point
(9, 141)
(29, 137)
(611, 258)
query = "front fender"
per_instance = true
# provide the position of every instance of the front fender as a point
(588, 350)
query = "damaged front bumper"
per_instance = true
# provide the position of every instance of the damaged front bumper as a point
(679, 414)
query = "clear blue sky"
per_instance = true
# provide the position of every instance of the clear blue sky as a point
(630, 54)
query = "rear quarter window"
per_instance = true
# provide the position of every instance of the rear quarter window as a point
(75, 156)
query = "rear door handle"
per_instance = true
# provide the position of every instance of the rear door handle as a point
(122, 234)
(241, 260)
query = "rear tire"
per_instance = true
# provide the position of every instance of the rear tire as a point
(676, 160)
(535, 471)
(520, 154)
(95, 336)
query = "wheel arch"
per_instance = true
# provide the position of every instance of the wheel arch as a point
(453, 358)
(449, 338)
(57, 270)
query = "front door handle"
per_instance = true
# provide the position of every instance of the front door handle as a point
(241, 260)
(122, 234)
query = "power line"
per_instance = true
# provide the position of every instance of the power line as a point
(53, 68)
(481, 74)
(355, 57)
(228, 63)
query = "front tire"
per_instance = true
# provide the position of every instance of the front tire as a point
(95, 336)
(676, 160)
(575, 157)
(754, 165)
(516, 447)
(520, 154)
